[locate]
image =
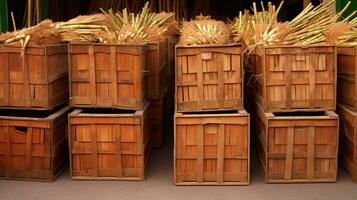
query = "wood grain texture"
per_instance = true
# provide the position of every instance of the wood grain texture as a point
(38, 80)
(348, 140)
(295, 78)
(98, 69)
(297, 148)
(33, 148)
(209, 151)
(347, 76)
(209, 78)
(109, 146)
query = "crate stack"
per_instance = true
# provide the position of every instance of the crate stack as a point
(297, 128)
(33, 112)
(347, 107)
(211, 136)
(109, 131)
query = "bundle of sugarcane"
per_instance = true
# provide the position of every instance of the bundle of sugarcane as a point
(240, 27)
(146, 26)
(88, 28)
(204, 30)
(262, 27)
(42, 34)
(310, 25)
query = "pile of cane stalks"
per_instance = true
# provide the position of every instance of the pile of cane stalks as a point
(204, 30)
(315, 25)
(107, 27)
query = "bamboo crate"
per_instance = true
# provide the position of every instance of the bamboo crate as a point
(33, 144)
(157, 65)
(297, 147)
(212, 149)
(103, 75)
(347, 76)
(209, 78)
(109, 145)
(38, 80)
(159, 118)
(294, 78)
(348, 138)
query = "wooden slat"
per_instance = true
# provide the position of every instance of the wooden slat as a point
(220, 154)
(289, 154)
(312, 79)
(92, 76)
(310, 153)
(94, 150)
(200, 64)
(8, 166)
(220, 88)
(116, 131)
(288, 83)
(6, 85)
(26, 83)
(28, 152)
(200, 138)
(114, 84)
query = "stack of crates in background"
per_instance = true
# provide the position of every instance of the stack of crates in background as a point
(211, 136)
(296, 126)
(120, 92)
(33, 112)
(347, 107)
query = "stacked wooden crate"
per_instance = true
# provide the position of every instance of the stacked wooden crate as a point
(109, 131)
(347, 107)
(33, 112)
(211, 127)
(297, 128)
(120, 93)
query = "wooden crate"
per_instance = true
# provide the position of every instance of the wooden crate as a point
(294, 78)
(33, 144)
(158, 120)
(157, 65)
(109, 145)
(209, 78)
(348, 140)
(347, 76)
(297, 147)
(38, 80)
(212, 149)
(103, 75)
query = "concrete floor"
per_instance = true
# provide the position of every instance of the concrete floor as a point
(159, 186)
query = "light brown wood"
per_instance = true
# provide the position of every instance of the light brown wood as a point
(294, 147)
(348, 138)
(110, 76)
(208, 151)
(109, 145)
(33, 144)
(208, 78)
(38, 80)
(294, 78)
(347, 76)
